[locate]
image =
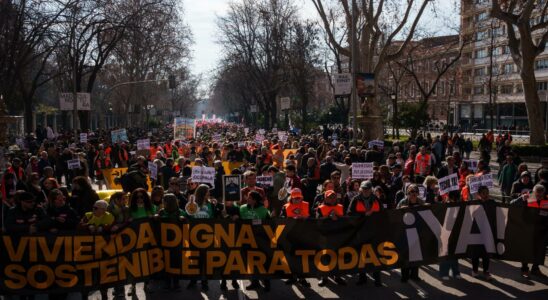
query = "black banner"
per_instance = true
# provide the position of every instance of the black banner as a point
(272, 248)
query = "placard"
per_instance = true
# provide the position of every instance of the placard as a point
(153, 170)
(265, 181)
(66, 101)
(241, 144)
(285, 103)
(83, 137)
(378, 143)
(217, 137)
(74, 164)
(362, 170)
(143, 144)
(231, 188)
(449, 183)
(282, 136)
(342, 83)
(183, 129)
(203, 175)
(259, 138)
(246, 131)
(119, 135)
(472, 164)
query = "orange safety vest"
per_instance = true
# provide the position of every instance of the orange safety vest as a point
(422, 162)
(360, 207)
(327, 209)
(293, 210)
(535, 204)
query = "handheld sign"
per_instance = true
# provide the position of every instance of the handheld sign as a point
(143, 144)
(264, 181)
(153, 169)
(74, 164)
(362, 170)
(83, 138)
(448, 184)
(119, 135)
(231, 188)
(472, 164)
(378, 143)
(203, 175)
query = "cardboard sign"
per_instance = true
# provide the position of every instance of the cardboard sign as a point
(83, 138)
(231, 188)
(119, 135)
(259, 138)
(342, 83)
(153, 169)
(203, 175)
(143, 144)
(265, 181)
(362, 170)
(282, 136)
(74, 164)
(448, 184)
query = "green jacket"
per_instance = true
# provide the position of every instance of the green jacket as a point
(254, 213)
(507, 175)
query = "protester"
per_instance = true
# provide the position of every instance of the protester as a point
(412, 200)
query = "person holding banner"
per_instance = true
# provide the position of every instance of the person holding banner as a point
(536, 199)
(330, 209)
(366, 203)
(522, 185)
(255, 210)
(483, 193)
(411, 200)
(63, 217)
(25, 217)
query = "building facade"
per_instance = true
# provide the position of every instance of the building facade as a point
(492, 92)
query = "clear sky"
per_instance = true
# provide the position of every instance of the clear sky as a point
(201, 16)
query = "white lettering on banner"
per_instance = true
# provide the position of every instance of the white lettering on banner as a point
(143, 144)
(265, 180)
(153, 169)
(203, 175)
(442, 232)
(74, 164)
(83, 138)
(362, 170)
(449, 183)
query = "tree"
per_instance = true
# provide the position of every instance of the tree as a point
(526, 41)
(426, 62)
(378, 23)
(255, 36)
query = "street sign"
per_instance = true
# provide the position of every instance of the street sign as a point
(83, 101)
(285, 103)
(342, 84)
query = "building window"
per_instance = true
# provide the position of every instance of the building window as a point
(506, 89)
(441, 88)
(542, 86)
(481, 35)
(481, 53)
(519, 88)
(541, 64)
(479, 72)
(508, 68)
(481, 16)
(478, 90)
(452, 88)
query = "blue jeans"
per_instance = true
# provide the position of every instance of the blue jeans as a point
(446, 265)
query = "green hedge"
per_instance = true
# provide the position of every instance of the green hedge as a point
(530, 150)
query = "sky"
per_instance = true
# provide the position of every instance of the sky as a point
(201, 16)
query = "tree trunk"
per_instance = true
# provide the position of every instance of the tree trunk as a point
(28, 114)
(84, 119)
(304, 115)
(532, 101)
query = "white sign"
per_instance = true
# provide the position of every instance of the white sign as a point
(343, 84)
(282, 136)
(472, 164)
(153, 169)
(378, 143)
(477, 181)
(143, 144)
(241, 144)
(285, 103)
(262, 131)
(274, 130)
(19, 142)
(66, 101)
(217, 137)
(119, 135)
(246, 131)
(362, 170)
(448, 184)
(73, 164)
(422, 191)
(259, 138)
(83, 138)
(265, 181)
(203, 175)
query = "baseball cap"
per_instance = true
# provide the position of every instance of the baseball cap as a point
(296, 193)
(366, 185)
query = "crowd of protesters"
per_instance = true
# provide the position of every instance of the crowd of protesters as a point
(39, 193)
